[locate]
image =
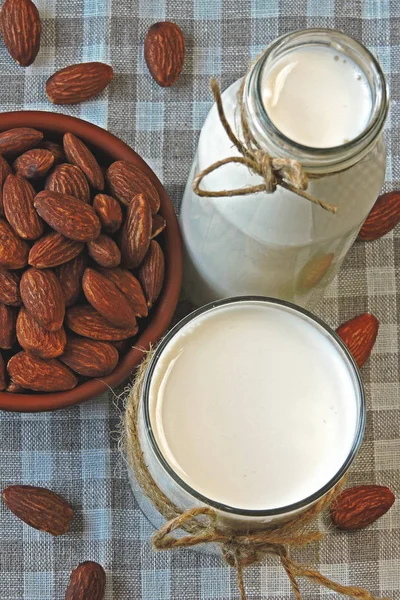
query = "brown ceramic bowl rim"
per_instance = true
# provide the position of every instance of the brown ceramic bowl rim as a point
(109, 144)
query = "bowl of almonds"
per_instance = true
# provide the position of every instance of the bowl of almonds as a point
(90, 260)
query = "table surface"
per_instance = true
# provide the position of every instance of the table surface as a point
(75, 451)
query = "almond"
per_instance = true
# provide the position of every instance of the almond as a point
(78, 83)
(70, 277)
(18, 197)
(136, 232)
(130, 287)
(108, 300)
(3, 373)
(14, 388)
(87, 582)
(38, 341)
(104, 251)
(13, 251)
(34, 164)
(40, 375)
(158, 225)
(79, 154)
(109, 212)
(20, 27)
(384, 216)
(359, 335)
(86, 321)
(126, 181)
(52, 250)
(314, 271)
(151, 273)
(164, 52)
(9, 288)
(90, 358)
(69, 179)
(39, 507)
(360, 506)
(69, 216)
(42, 296)
(5, 171)
(56, 149)
(8, 317)
(19, 140)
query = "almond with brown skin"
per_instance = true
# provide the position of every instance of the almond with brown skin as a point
(69, 216)
(39, 507)
(126, 181)
(90, 358)
(5, 171)
(70, 277)
(40, 375)
(87, 582)
(359, 506)
(104, 251)
(158, 225)
(86, 321)
(78, 83)
(109, 212)
(151, 273)
(108, 300)
(20, 27)
(136, 232)
(56, 149)
(359, 334)
(164, 52)
(79, 154)
(42, 296)
(8, 316)
(9, 288)
(130, 287)
(19, 140)
(52, 250)
(70, 180)
(38, 341)
(383, 217)
(3, 373)
(14, 388)
(13, 251)
(18, 197)
(34, 164)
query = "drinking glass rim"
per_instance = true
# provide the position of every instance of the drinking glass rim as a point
(243, 512)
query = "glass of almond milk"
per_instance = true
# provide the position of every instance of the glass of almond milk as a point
(316, 96)
(251, 406)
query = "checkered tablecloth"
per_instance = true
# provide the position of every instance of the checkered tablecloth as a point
(75, 451)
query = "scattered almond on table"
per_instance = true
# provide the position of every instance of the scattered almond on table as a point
(384, 216)
(359, 506)
(164, 52)
(87, 582)
(359, 334)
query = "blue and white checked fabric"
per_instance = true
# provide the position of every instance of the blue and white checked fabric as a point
(75, 451)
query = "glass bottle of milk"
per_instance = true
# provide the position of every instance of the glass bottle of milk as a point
(316, 96)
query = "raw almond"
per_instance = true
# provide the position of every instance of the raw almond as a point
(79, 154)
(108, 300)
(34, 164)
(9, 288)
(20, 27)
(151, 273)
(158, 225)
(69, 216)
(5, 171)
(86, 321)
(70, 277)
(126, 181)
(8, 318)
(109, 212)
(38, 341)
(87, 582)
(90, 358)
(3, 373)
(164, 52)
(52, 250)
(56, 149)
(78, 83)
(314, 271)
(39, 507)
(360, 506)
(18, 197)
(40, 375)
(13, 251)
(70, 180)
(384, 216)
(136, 232)
(19, 140)
(104, 251)
(42, 296)
(130, 287)
(359, 334)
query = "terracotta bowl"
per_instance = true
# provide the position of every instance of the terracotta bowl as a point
(107, 148)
